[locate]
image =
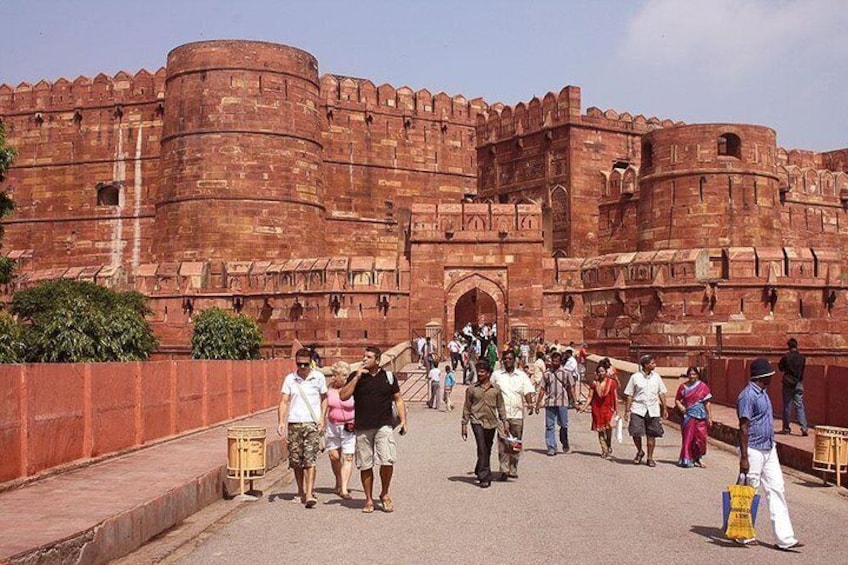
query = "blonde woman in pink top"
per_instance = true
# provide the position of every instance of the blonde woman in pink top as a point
(341, 440)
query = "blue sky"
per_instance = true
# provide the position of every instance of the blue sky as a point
(779, 63)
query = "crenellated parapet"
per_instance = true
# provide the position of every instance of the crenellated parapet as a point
(346, 92)
(63, 95)
(476, 222)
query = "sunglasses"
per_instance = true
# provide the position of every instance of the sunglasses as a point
(306, 364)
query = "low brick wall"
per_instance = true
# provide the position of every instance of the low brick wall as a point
(55, 414)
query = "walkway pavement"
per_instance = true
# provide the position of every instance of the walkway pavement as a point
(105, 510)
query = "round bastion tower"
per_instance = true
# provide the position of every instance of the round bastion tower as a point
(708, 185)
(240, 154)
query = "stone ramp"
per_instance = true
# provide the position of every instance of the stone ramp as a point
(105, 510)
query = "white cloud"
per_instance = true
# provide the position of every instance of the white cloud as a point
(727, 38)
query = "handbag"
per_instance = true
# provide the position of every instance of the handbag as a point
(739, 505)
(619, 429)
(322, 441)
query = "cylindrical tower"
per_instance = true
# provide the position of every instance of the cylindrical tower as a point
(240, 154)
(708, 185)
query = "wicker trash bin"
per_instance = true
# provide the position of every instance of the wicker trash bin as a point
(831, 451)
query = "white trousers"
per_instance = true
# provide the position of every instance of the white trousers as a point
(765, 470)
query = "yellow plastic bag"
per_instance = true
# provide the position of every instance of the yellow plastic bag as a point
(740, 523)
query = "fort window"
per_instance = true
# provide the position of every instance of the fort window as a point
(701, 182)
(108, 194)
(647, 155)
(729, 145)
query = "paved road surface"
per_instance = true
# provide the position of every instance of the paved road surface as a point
(574, 507)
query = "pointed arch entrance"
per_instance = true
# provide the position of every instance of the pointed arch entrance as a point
(475, 307)
(475, 298)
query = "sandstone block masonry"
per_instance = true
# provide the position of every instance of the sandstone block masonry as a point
(340, 212)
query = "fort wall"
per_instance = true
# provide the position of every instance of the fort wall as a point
(87, 171)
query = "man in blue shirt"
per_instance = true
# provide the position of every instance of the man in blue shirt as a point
(758, 454)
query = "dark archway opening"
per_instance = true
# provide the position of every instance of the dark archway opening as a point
(476, 307)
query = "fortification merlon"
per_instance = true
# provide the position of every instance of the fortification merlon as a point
(476, 221)
(83, 92)
(625, 120)
(504, 122)
(342, 90)
(836, 160)
(813, 183)
(768, 266)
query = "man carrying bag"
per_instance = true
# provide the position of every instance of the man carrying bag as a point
(758, 454)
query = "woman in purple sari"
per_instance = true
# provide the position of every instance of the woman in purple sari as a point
(693, 401)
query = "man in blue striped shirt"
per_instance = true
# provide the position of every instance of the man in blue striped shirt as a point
(758, 454)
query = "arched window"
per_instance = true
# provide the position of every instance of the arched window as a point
(729, 145)
(108, 194)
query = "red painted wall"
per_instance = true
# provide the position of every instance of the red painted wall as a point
(825, 401)
(54, 414)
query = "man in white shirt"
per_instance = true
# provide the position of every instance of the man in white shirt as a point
(435, 377)
(301, 420)
(645, 397)
(517, 392)
(453, 349)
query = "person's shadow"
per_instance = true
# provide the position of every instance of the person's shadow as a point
(469, 480)
(714, 535)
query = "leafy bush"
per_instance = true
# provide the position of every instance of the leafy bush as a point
(222, 335)
(75, 322)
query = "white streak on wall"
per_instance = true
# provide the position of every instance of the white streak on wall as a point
(136, 250)
(119, 174)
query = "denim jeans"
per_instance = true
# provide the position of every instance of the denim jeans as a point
(554, 414)
(794, 395)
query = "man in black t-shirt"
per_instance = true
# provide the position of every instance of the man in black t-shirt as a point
(373, 392)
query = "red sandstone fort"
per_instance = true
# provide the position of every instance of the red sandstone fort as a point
(343, 213)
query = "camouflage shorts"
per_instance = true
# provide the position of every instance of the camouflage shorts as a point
(303, 444)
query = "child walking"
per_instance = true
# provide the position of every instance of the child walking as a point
(450, 380)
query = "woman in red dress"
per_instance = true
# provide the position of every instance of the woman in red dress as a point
(603, 399)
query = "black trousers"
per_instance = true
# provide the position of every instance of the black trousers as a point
(484, 439)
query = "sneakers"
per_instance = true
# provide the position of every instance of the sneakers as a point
(551, 453)
(796, 545)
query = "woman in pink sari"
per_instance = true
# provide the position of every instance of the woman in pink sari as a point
(693, 401)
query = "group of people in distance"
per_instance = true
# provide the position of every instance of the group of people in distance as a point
(355, 416)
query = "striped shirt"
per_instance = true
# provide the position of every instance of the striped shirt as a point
(754, 405)
(556, 385)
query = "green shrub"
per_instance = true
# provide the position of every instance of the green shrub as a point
(222, 335)
(75, 322)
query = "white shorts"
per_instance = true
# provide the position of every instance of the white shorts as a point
(338, 438)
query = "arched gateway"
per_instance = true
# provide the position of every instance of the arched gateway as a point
(475, 299)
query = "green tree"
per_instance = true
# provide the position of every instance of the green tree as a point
(222, 335)
(73, 322)
(7, 155)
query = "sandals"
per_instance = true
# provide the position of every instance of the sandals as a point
(387, 504)
(368, 508)
(639, 456)
(652, 463)
(345, 495)
(311, 502)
